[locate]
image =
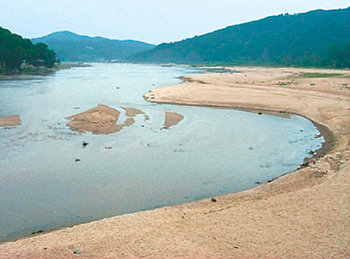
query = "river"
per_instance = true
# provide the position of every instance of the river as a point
(48, 179)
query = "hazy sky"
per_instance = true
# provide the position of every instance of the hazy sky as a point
(153, 21)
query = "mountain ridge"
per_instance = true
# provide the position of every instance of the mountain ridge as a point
(303, 39)
(70, 46)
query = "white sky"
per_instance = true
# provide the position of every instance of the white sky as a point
(152, 21)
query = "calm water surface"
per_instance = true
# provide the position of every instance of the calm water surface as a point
(211, 152)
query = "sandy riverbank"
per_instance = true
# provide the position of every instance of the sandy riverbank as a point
(304, 214)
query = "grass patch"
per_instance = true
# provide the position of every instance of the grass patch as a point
(284, 83)
(319, 75)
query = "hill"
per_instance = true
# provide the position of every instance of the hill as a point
(315, 38)
(73, 47)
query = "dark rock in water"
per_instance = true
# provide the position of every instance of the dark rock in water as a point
(117, 88)
(213, 200)
(108, 148)
(77, 160)
(78, 251)
(85, 143)
(301, 130)
(258, 182)
(260, 113)
(37, 232)
(251, 148)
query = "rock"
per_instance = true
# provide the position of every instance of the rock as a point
(85, 143)
(260, 113)
(37, 232)
(77, 160)
(78, 251)
(213, 200)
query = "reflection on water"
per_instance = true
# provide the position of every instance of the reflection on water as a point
(49, 179)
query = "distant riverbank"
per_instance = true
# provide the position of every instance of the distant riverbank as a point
(40, 70)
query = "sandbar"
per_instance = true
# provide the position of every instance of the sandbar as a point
(99, 120)
(132, 112)
(303, 214)
(7, 121)
(172, 119)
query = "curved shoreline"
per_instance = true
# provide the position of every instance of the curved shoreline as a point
(300, 214)
(325, 132)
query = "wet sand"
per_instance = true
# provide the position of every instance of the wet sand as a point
(99, 120)
(304, 214)
(172, 119)
(8, 121)
(102, 119)
(132, 112)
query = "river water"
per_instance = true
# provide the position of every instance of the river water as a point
(210, 152)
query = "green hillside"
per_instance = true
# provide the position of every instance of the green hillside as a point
(316, 38)
(17, 53)
(72, 47)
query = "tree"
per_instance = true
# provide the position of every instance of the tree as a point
(14, 51)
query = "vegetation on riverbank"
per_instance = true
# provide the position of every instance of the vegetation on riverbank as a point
(19, 55)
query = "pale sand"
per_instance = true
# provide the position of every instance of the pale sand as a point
(304, 214)
(7, 121)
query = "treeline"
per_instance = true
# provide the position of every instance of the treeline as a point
(338, 57)
(18, 54)
(317, 38)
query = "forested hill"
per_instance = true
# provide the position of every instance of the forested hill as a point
(315, 38)
(73, 47)
(17, 53)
